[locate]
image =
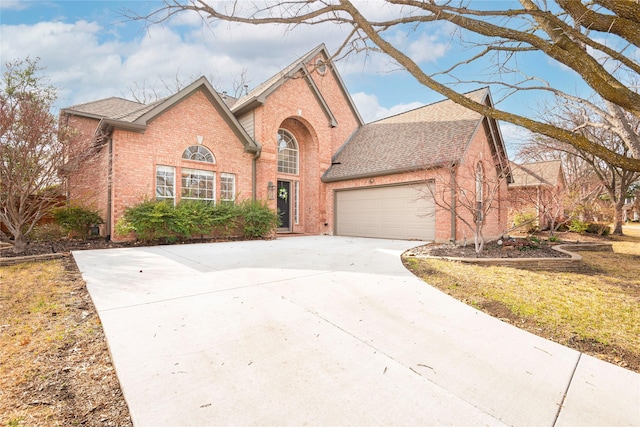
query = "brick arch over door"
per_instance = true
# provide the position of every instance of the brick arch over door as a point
(305, 205)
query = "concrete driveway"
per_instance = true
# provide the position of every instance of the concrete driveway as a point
(324, 330)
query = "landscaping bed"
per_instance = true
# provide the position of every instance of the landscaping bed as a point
(517, 248)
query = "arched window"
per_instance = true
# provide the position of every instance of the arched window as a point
(479, 182)
(287, 153)
(479, 192)
(198, 153)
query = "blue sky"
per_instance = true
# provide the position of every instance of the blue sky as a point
(91, 51)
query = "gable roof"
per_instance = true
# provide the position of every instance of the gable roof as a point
(258, 95)
(124, 114)
(429, 136)
(548, 173)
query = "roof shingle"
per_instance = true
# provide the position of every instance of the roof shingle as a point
(112, 108)
(538, 173)
(428, 136)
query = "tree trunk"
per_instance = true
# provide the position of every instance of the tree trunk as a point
(19, 242)
(617, 218)
(479, 239)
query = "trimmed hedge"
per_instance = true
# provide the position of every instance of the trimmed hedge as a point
(189, 219)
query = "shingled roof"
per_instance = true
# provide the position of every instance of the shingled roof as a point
(429, 136)
(121, 113)
(535, 174)
(112, 108)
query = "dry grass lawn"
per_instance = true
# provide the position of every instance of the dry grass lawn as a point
(595, 310)
(55, 369)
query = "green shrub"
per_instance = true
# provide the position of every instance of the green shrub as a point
(530, 219)
(153, 220)
(194, 217)
(553, 239)
(578, 226)
(77, 219)
(258, 220)
(124, 227)
(227, 217)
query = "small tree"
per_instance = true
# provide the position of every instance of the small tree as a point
(470, 193)
(30, 150)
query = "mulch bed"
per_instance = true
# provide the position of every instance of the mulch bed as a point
(511, 248)
(68, 245)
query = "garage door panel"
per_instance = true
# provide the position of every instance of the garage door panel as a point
(397, 212)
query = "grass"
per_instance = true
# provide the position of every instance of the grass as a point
(28, 330)
(595, 310)
(55, 369)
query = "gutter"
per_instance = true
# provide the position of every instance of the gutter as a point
(107, 230)
(254, 174)
(374, 174)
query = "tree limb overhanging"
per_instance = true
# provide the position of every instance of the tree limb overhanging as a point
(596, 40)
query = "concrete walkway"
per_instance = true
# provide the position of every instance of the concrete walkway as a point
(323, 330)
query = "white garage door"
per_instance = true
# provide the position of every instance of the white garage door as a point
(394, 212)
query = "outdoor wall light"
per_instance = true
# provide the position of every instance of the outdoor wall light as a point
(271, 191)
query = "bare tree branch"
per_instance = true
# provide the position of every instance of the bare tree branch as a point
(560, 30)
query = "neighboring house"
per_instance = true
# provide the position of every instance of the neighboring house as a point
(631, 208)
(539, 189)
(296, 141)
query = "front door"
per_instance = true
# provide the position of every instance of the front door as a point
(284, 204)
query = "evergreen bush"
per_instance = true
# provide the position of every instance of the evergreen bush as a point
(160, 220)
(77, 219)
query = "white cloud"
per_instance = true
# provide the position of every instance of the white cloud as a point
(371, 110)
(426, 48)
(14, 4)
(88, 60)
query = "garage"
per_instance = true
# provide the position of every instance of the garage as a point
(390, 212)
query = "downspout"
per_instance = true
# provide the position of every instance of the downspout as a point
(107, 230)
(254, 173)
(453, 204)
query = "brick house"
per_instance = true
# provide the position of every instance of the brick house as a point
(297, 141)
(538, 189)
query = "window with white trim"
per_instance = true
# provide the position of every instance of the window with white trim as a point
(198, 153)
(198, 184)
(165, 182)
(287, 153)
(296, 202)
(227, 186)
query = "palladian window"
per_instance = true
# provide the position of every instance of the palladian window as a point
(287, 153)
